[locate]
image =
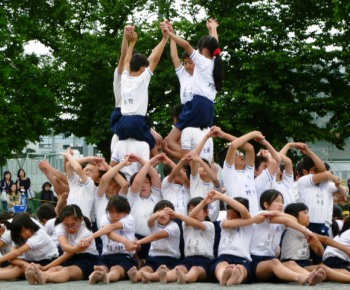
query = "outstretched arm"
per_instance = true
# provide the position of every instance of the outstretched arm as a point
(124, 49)
(212, 26)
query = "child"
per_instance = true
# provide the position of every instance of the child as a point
(135, 79)
(72, 230)
(264, 246)
(13, 197)
(82, 181)
(165, 240)
(144, 193)
(175, 184)
(118, 235)
(32, 242)
(46, 194)
(238, 172)
(112, 183)
(296, 248)
(47, 216)
(232, 265)
(207, 80)
(199, 242)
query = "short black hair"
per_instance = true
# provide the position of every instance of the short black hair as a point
(162, 204)
(119, 203)
(269, 196)
(137, 61)
(294, 208)
(46, 211)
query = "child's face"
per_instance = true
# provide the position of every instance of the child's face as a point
(112, 189)
(26, 233)
(239, 160)
(201, 215)
(232, 214)
(303, 218)
(146, 188)
(189, 65)
(277, 204)
(163, 219)
(93, 172)
(71, 224)
(262, 167)
(116, 216)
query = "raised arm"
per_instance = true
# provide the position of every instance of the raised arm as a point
(132, 38)
(124, 49)
(212, 26)
(154, 58)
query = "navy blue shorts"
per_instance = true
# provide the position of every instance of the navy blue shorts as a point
(197, 261)
(231, 260)
(256, 260)
(115, 117)
(136, 127)
(197, 113)
(85, 261)
(123, 260)
(337, 263)
(301, 263)
(155, 262)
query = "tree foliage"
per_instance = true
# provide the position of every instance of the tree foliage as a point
(286, 67)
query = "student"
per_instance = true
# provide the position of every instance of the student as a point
(5, 236)
(46, 194)
(238, 171)
(135, 79)
(79, 257)
(207, 80)
(118, 235)
(336, 258)
(232, 265)
(295, 247)
(46, 215)
(144, 192)
(199, 242)
(112, 183)
(175, 184)
(82, 181)
(165, 240)
(31, 241)
(264, 246)
(316, 188)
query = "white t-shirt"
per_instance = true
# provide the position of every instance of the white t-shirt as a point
(285, 186)
(168, 246)
(330, 252)
(100, 208)
(134, 91)
(235, 241)
(74, 239)
(126, 147)
(200, 188)
(185, 80)
(190, 137)
(203, 81)
(6, 238)
(240, 183)
(318, 198)
(177, 194)
(198, 242)
(142, 209)
(263, 182)
(117, 88)
(128, 231)
(41, 247)
(266, 238)
(50, 229)
(82, 194)
(294, 246)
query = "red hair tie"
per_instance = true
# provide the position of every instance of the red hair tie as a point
(217, 52)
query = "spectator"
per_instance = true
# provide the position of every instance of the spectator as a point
(47, 195)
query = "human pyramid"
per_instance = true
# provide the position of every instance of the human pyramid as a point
(179, 216)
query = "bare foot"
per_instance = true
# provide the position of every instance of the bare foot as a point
(317, 277)
(162, 273)
(40, 276)
(132, 274)
(303, 279)
(236, 276)
(30, 275)
(95, 277)
(181, 276)
(226, 274)
(145, 277)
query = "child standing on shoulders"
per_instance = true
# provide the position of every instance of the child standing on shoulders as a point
(165, 240)
(207, 80)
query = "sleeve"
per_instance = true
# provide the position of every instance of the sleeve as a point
(186, 139)
(228, 174)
